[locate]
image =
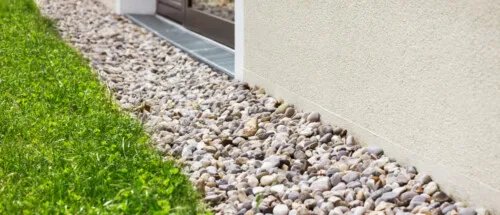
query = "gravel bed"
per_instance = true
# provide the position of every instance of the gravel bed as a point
(247, 152)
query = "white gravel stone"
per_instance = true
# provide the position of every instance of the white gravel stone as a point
(267, 180)
(257, 190)
(212, 170)
(431, 188)
(278, 189)
(253, 181)
(321, 184)
(280, 209)
(270, 162)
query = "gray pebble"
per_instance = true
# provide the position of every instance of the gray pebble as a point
(378, 193)
(326, 138)
(423, 178)
(374, 151)
(389, 197)
(417, 200)
(289, 112)
(335, 179)
(350, 176)
(293, 195)
(313, 117)
(440, 197)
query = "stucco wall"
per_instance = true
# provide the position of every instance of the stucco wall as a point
(419, 78)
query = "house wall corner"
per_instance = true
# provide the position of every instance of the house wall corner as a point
(131, 6)
(239, 41)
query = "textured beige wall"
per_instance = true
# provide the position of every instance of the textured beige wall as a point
(419, 78)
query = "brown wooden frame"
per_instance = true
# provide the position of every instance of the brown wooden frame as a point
(211, 26)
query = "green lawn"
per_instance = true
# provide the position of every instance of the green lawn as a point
(65, 148)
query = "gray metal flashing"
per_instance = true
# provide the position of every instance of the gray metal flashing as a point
(218, 56)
